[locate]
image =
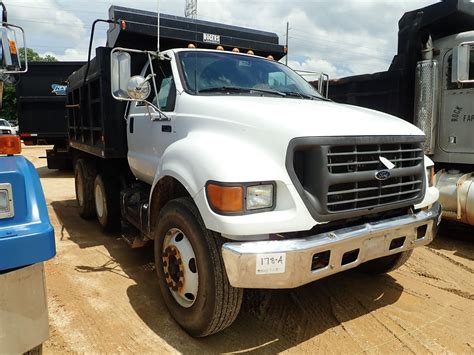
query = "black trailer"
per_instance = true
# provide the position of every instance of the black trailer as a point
(96, 120)
(393, 91)
(41, 97)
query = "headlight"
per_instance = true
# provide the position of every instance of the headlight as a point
(259, 197)
(240, 198)
(430, 175)
(3, 201)
(6, 202)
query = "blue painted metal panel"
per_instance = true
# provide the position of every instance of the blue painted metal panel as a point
(28, 237)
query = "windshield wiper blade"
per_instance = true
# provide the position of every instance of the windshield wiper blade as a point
(224, 89)
(239, 89)
(268, 91)
(305, 96)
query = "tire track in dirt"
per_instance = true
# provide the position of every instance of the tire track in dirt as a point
(455, 262)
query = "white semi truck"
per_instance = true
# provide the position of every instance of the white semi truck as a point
(238, 170)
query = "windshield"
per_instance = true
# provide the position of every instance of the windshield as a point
(212, 72)
(4, 123)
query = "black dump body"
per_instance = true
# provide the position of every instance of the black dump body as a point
(176, 32)
(96, 120)
(40, 102)
(393, 91)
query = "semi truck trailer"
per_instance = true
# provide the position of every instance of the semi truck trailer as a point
(430, 83)
(236, 169)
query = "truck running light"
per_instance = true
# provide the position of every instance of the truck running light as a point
(225, 199)
(10, 145)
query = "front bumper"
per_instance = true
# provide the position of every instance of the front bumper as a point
(294, 262)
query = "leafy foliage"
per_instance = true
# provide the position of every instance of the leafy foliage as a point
(35, 57)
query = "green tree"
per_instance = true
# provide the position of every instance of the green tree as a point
(35, 57)
(9, 108)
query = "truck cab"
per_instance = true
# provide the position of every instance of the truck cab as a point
(456, 108)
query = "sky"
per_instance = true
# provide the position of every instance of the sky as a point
(337, 37)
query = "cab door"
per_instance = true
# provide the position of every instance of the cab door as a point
(149, 132)
(457, 111)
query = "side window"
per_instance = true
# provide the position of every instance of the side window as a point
(471, 65)
(448, 72)
(165, 85)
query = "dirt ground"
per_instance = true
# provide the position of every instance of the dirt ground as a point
(104, 297)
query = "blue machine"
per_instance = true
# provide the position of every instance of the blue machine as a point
(26, 233)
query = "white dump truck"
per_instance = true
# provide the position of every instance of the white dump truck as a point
(238, 170)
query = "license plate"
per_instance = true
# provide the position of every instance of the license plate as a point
(270, 263)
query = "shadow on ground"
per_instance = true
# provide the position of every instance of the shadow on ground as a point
(456, 237)
(44, 172)
(270, 321)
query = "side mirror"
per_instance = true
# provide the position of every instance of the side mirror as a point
(461, 58)
(10, 62)
(120, 68)
(138, 88)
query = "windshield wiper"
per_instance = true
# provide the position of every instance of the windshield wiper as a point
(239, 89)
(305, 96)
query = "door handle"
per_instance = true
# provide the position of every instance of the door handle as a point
(131, 120)
(166, 128)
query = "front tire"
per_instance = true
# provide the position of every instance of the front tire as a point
(191, 272)
(386, 264)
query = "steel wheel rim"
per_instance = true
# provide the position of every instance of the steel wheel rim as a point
(180, 268)
(99, 201)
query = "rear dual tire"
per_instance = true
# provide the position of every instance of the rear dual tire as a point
(84, 176)
(97, 195)
(107, 202)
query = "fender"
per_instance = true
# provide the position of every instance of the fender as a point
(226, 160)
(27, 237)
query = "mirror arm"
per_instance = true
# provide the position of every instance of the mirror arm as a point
(148, 104)
(152, 73)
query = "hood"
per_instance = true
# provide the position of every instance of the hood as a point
(294, 117)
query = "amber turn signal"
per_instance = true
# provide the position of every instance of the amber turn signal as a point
(225, 199)
(10, 145)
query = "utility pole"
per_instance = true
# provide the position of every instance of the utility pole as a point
(190, 9)
(286, 46)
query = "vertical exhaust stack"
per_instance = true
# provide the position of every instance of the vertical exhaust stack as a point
(426, 95)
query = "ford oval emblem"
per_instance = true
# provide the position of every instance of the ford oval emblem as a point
(382, 175)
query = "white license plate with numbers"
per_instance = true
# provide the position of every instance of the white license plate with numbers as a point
(270, 263)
